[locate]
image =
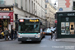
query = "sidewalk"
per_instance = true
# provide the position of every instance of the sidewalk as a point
(1, 40)
(66, 39)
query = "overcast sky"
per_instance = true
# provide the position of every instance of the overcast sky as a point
(53, 1)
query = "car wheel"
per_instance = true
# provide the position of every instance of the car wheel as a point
(22, 41)
(44, 36)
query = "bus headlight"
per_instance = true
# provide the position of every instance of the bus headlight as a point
(37, 36)
(19, 36)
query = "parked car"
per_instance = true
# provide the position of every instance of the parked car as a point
(47, 31)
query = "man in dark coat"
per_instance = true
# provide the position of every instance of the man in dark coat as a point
(12, 33)
(15, 34)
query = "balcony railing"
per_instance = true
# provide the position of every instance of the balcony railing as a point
(2, 2)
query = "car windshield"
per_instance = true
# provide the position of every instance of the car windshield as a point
(29, 27)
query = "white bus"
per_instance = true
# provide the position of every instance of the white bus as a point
(29, 30)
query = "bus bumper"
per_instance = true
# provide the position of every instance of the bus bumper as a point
(29, 39)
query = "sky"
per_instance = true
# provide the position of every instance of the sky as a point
(53, 1)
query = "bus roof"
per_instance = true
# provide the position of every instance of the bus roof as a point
(28, 18)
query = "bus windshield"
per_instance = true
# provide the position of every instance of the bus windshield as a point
(29, 27)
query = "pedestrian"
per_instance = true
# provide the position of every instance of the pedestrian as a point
(9, 34)
(12, 33)
(6, 33)
(15, 34)
(0, 33)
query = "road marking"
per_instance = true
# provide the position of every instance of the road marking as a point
(44, 46)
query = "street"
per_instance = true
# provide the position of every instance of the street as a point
(46, 44)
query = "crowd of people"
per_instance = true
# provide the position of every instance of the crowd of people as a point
(7, 34)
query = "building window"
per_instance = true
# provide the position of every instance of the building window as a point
(45, 6)
(46, 1)
(16, 4)
(29, 5)
(1, 2)
(32, 6)
(73, 5)
(45, 11)
(26, 4)
(22, 4)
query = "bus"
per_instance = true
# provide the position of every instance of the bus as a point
(29, 29)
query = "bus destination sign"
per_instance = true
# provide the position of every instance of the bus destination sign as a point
(34, 20)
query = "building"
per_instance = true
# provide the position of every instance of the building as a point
(66, 19)
(66, 5)
(50, 11)
(12, 10)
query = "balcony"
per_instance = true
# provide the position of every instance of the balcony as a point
(2, 2)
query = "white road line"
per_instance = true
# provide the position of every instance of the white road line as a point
(43, 46)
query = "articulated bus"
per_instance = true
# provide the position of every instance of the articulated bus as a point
(29, 30)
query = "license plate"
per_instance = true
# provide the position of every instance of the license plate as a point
(29, 40)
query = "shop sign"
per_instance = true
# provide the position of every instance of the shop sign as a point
(11, 16)
(60, 14)
(1, 17)
(67, 19)
(7, 15)
(4, 17)
(66, 14)
(71, 14)
(60, 9)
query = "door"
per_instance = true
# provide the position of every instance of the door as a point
(71, 27)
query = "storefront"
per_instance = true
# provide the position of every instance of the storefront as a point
(65, 24)
(6, 18)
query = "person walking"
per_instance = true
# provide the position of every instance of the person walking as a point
(6, 33)
(12, 33)
(15, 34)
(0, 33)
